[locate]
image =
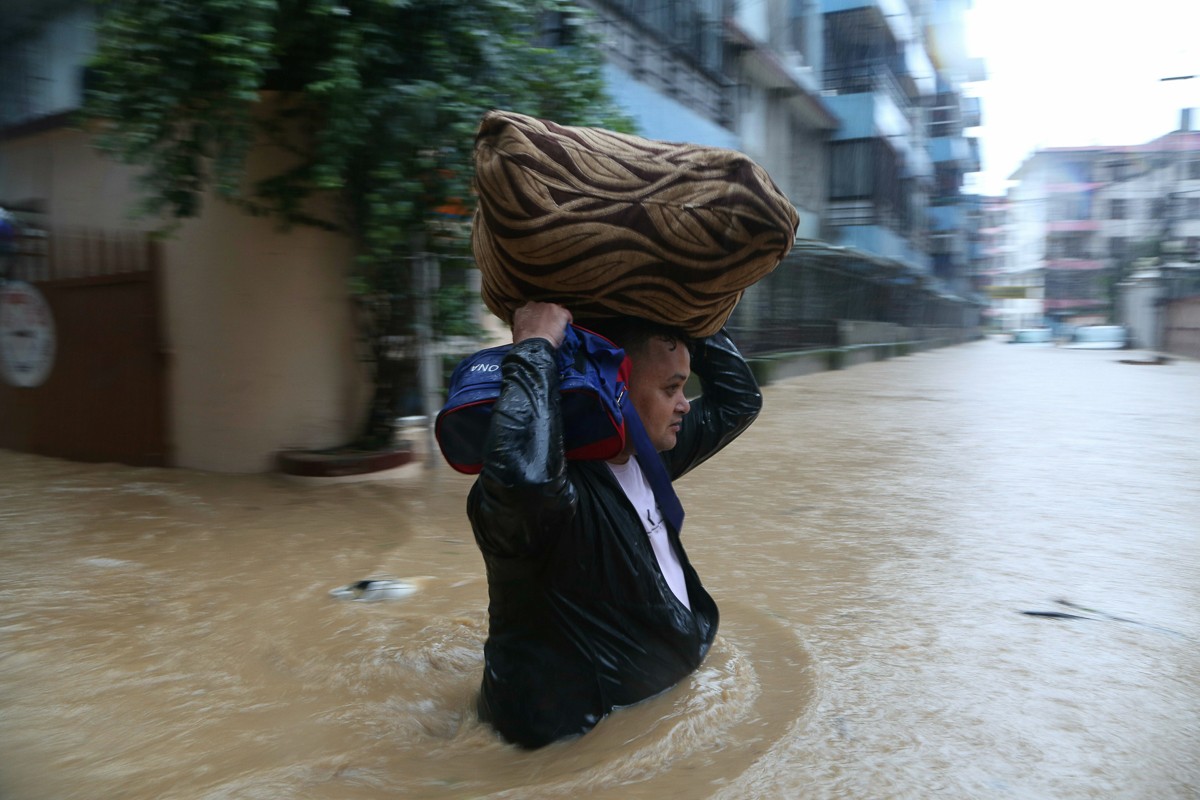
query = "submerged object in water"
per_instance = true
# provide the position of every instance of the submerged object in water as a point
(372, 590)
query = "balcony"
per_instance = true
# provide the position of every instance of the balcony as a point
(972, 116)
(974, 164)
(1073, 225)
(950, 149)
(895, 14)
(769, 70)
(947, 218)
(916, 72)
(917, 163)
(866, 77)
(858, 226)
(867, 116)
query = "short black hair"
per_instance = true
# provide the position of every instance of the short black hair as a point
(632, 334)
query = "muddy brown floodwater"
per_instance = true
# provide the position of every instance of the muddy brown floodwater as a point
(872, 541)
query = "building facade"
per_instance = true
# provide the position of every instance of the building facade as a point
(954, 217)
(258, 344)
(878, 79)
(848, 106)
(727, 74)
(1090, 217)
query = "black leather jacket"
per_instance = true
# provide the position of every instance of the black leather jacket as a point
(581, 620)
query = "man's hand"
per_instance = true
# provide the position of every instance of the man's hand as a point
(541, 321)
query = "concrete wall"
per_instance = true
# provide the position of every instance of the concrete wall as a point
(1140, 311)
(661, 117)
(859, 342)
(258, 323)
(1182, 329)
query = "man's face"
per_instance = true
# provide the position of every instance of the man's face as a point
(656, 380)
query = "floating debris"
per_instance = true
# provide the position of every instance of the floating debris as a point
(372, 590)
(1094, 615)
(1148, 362)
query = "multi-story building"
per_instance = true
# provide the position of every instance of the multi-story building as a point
(1016, 294)
(665, 66)
(728, 74)
(995, 249)
(953, 216)
(839, 100)
(1087, 216)
(836, 100)
(780, 116)
(953, 156)
(876, 74)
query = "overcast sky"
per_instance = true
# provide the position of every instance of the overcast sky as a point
(1079, 72)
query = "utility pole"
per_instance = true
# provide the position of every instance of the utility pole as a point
(426, 281)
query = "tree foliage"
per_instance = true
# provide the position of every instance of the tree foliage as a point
(377, 100)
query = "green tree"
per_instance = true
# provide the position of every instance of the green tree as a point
(377, 101)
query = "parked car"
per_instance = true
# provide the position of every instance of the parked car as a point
(1032, 336)
(1099, 337)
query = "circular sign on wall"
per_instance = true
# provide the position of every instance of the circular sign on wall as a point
(26, 335)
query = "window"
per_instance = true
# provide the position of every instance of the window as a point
(1193, 171)
(1122, 170)
(1118, 209)
(1073, 172)
(1071, 245)
(851, 170)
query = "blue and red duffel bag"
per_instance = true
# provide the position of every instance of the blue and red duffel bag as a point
(593, 380)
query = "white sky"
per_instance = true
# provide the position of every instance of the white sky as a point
(1079, 72)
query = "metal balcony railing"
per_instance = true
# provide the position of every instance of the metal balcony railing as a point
(867, 77)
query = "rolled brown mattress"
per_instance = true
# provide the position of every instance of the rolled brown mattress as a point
(611, 224)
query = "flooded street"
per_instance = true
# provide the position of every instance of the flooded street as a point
(872, 542)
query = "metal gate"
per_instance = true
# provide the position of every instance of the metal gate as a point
(103, 397)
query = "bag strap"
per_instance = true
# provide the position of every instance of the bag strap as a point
(646, 454)
(654, 469)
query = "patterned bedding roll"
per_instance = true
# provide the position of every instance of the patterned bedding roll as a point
(611, 224)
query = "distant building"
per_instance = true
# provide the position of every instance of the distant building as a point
(954, 218)
(1087, 216)
(1016, 294)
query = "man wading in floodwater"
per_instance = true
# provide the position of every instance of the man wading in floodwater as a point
(593, 603)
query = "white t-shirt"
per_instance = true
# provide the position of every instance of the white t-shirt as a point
(630, 476)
